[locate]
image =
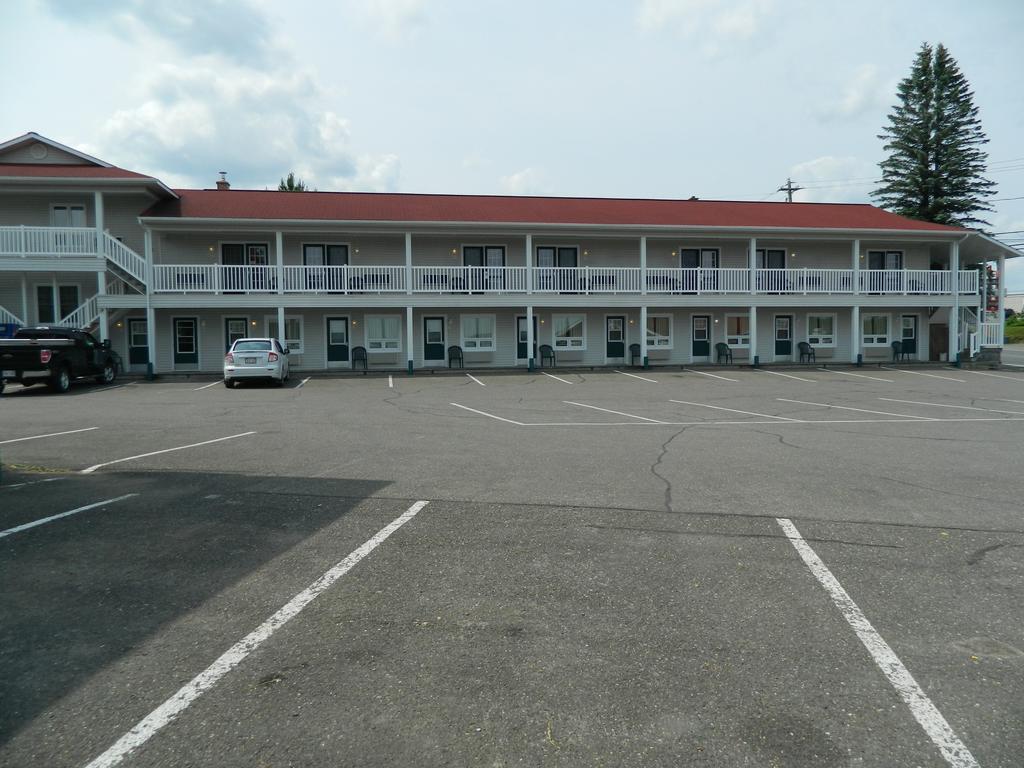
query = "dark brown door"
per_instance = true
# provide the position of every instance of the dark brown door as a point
(938, 341)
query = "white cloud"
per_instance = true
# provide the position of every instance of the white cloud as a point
(864, 92)
(714, 22)
(834, 180)
(393, 19)
(528, 181)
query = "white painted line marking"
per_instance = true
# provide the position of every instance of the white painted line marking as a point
(474, 378)
(51, 434)
(862, 410)
(30, 482)
(939, 731)
(960, 407)
(712, 375)
(207, 386)
(996, 375)
(1000, 400)
(1013, 365)
(559, 378)
(51, 518)
(94, 467)
(617, 413)
(747, 423)
(788, 376)
(391, 381)
(236, 654)
(736, 410)
(858, 375)
(490, 415)
(112, 386)
(642, 378)
(302, 383)
(922, 373)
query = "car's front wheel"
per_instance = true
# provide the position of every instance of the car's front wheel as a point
(108, 375)
(61, 380)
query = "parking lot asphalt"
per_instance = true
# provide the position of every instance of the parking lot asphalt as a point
(600, 575)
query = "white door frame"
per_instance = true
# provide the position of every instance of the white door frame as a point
(792, 341)
(709, 316)
(625, 338)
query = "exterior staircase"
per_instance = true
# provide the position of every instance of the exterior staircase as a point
(9, 318)
(127, 265)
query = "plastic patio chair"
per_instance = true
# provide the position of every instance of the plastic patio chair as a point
(546, 353)
(807, 354)
(897, 351)
(455, 356)
(634, 353)
(359, 357)
(723, 352)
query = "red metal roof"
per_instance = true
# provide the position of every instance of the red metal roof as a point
(367, 206)
(54, 171)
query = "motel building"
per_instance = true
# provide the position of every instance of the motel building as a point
(404, 281)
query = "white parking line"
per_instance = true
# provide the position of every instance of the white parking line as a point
(736, 410)
(922, 373)
(30, 482)
(474, 378)
(94, 467)
(51, 518)
(862, 410)
(51, 434)
(207, 386)
(943, 405)
(642, 378)
(489, 415)
(236, 654)
(939, 731)
(391, 381)
(302, 383)
(97, 390)
(788, 376)
(712, 375)
(858, 375)
(617, 413)
(996, 375)
(559, 378)
(1013, 365)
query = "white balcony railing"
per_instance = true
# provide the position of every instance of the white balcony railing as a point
(48, 241)
(990, 334)
(586, 279)
(469, 279)
(344, 279)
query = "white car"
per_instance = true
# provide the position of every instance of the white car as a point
(256, 359)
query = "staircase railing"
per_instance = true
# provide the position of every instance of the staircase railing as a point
(85, 315)
(124, 257)
(9, 318)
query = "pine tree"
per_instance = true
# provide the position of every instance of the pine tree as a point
(934, 140)
(291, 184)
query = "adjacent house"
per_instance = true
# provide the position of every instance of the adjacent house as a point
(173, 276)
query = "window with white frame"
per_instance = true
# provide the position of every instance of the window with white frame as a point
(383, 333)
(292, 332)
(659, 331)
(821, 330)
(478, 333)
(569, 331)
(737, 330)
(875, 330)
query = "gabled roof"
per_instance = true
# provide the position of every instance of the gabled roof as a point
(489, 209)
(54, 171)
(34, 137)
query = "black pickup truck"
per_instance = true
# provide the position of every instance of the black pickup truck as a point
(55, 355)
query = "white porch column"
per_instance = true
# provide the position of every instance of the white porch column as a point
(529, 336)
(97, 198)
(408, 279)
(24, 300)
(409, 344)
(752, 266)
(55, 293)
(643, 286)
(147, 242)
(281, 335)
(101, 289)
(855, 335)
(954, 314)
(1001, 287)
(754, 359)
(279, 252)
(529, 284)
(855, 265)
(643, 334)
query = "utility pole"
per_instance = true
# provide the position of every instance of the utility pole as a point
(789, 189)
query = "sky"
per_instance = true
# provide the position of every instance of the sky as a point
(722, 99)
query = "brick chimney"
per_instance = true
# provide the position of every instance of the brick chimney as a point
(222, 182)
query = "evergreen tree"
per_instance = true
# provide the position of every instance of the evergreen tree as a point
(934, 140)
(291, 184)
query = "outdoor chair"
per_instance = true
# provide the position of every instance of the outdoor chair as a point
(897, 351)
(806, 352)
(358, 357)
(723, 352)
(546, 353)
(634, 354)
(455, 356)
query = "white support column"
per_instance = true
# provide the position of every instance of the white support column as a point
(529, 282)
(408, 276)
(643, 285)
(281, 335)
(55, 293)
(409, 344)
(279, 252)
(752, 267)
(147, 242)
(643, 335)
(97, 198)
(754, 359)
(1001, 287)
(855, 335)
(954, 313)
(855, 265)
(24, 300)
(101, 289)
(530, 341)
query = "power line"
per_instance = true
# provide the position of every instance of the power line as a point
(789, 189)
